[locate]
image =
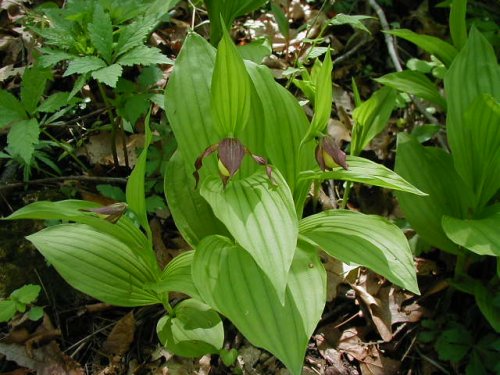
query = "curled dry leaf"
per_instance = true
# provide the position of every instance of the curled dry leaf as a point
(121, 336)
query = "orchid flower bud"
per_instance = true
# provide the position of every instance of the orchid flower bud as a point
(230, 155)
(111, 213)
(329, 155)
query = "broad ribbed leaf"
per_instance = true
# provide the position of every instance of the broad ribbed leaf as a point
(364, 171)
(473, 118)
(176, 277)
(488, 302)
(230, 90)
(231, 282)
(191, 120)
(192, 214)
(108, 75)
(414, 83)
(431, 170)
(458, 27)
(135, 193)
(10, 109)
(481, 236)
(97, 264)
(367, 240)
(144, 55)
(22, 139)
(285, 125)
(261, 218)
(475, 71)
(72, 210)
(322, 97)
(82, 65)
(101, 33)
(435, 46)
(193, 330)
(371, 118)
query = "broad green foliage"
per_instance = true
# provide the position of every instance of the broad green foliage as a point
(460, 213)
(254, 260)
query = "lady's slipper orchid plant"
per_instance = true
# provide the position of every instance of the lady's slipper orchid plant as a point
(329, 155)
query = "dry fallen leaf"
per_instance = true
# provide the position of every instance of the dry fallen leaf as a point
(121, 336)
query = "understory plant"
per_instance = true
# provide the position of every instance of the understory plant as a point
(236, 188)
(461, 214)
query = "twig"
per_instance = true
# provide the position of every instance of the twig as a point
(390, 43)
(42, 181)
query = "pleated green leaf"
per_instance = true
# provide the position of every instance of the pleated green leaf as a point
(367, 240)
(72, 210)
(458, 26)
(482, 235)
(192, 214)
(97, 264)
(431, 170)
(135, 193)
(474, 116)
(431, 44)
(176, 277)
(322, 97)
(231, 282)
(371, 118)
(230, 90)
(194, 330)
(364, 171)
(414, 83)
(261, 218)
(285, 125)
(187, 102)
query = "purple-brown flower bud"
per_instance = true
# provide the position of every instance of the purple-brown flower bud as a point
(329, 155)
(230, 155)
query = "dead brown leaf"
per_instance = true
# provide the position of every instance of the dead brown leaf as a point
(121, 336)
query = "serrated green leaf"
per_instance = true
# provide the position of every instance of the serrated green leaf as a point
(194, 330)
(454, 343)
(231, 282)
(26, 294)
(11, 110)
(97, 264)
(54, 102)
(101, 33)
(482, 235)
(134, 34)
(414, 83)
(262, 219)
(143, 55)
(488, 301)
(354, 21)
(114, 192)
(134, 107)
(135, 191)
(51, 57)
(108, 75)
(35, 313)
(82, 65)
(371, 118)
(33, 86)
(230, 90)
(367, 240)
(367, 172)
(435, 46)
(7, 310)
(149, 76)
(431, 170)
(22, 139)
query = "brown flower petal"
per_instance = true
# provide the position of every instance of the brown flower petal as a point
(199, 162)
(329, 155)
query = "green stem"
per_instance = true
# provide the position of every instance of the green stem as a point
(347, 192)
(61, 145)
(112, 121)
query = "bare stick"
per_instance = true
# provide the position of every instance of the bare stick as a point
(42, 181)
